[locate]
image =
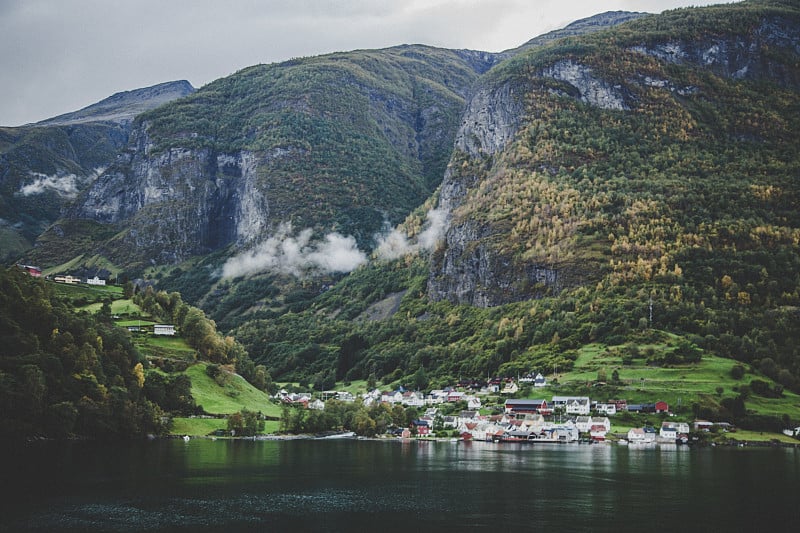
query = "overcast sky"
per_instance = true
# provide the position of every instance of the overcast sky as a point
(58, 56)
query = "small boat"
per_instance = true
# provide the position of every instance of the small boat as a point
(339, 435)
(186, 438)
(623, 442)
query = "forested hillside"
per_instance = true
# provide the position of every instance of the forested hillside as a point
(64, 374)
(650, 193)
(633, 189)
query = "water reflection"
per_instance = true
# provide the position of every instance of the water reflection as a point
(345, 485)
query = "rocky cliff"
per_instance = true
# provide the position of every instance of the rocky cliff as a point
(44, 166)
(522, 224)
(341, 143)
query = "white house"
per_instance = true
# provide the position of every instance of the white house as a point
(668, 432)
(392, 397)
(562, 401)
(95, 281)
(608, 409)
(436, 396)
(413, 399)
(345, 396)
(316, 404)
(163, 329)
(578, 406)
(640, 436)
(510, 387)
(473, 403)
(637, 436)
(583, 423)
(540, 381)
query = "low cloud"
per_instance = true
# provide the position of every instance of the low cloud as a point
(394, 244)
(67, 186)
(296, 255)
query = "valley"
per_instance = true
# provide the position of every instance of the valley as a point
(613, 205)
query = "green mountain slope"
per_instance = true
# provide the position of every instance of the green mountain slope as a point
(633, 189)
(339, 143)
(632, 182)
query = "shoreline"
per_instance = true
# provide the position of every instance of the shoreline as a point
(727, 443)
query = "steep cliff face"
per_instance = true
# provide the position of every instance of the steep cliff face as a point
(530, 194)
(178, 202)
(341, 143)
(755, 56)
(44, 166)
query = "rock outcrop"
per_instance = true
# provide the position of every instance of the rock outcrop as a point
(741, 57)
(475, 264)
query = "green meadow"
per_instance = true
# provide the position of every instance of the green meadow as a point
(233, 395)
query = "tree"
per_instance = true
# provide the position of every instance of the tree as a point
(421, 378)
(236, 424)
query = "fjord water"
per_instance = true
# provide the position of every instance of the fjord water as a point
(304, 485)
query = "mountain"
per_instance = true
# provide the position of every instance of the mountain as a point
(341, 143)
(346, 143)
(618, 156)
(601, 21)
(122, 107)
(632, 188)
(43, 166)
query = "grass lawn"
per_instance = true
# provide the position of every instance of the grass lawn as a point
(235, 395)
(87, 293)
(757, 436)
(195, 427)
(355, 388)
(198, 427)
(118, 307)
(164, 346)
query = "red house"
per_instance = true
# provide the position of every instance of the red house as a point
(423, 429)
(34, 271)
(528, 406)
(621, 405)
(662, 407)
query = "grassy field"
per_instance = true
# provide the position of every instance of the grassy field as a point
(236, 394)
(118, 307)
(87, 293)
(164, 346)
(199, 427)
(678, 385)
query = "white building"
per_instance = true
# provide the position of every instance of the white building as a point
(95, 281)
(163, 329)
(608, 409)
(578, 406)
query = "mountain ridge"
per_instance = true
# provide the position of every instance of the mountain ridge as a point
(44, 166)
(124, 105)
(625, 187)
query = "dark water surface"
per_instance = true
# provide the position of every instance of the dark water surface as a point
(205, 485)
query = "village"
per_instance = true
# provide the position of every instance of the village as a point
(561, 419)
